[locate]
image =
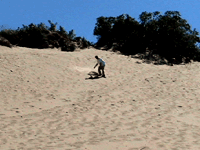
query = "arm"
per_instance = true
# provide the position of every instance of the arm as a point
(95, 65)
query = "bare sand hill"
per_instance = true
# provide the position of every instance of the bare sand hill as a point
(47, 102)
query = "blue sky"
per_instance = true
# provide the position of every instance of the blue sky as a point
(81, 15)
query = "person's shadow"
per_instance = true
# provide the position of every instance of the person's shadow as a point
(93, 75)
(93, 78)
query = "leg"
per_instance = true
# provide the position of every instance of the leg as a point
(103, 73)
(99, 70)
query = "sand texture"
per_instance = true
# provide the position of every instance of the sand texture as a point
(48, 102)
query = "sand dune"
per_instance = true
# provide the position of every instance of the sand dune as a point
(47, 103)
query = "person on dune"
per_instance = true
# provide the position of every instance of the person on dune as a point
(102, 65)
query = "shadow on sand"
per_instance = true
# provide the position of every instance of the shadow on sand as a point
(93, 75)
(92, 78)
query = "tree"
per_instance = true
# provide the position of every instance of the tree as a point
(53, 26)
(175, 36)
(103, 29)
(63, 31)
(72, 34)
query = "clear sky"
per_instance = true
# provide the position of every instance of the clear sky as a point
(81, 15)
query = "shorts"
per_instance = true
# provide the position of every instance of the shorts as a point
(101, 67)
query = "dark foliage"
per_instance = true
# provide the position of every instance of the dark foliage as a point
(69, 48)
(166, 36)
(41, 36)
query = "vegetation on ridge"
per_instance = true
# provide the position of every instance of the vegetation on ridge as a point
(159, 38)
(168, 36)
(42, 36)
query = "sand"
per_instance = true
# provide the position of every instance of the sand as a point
(48, 103)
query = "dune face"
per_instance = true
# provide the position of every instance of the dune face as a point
(47, 103)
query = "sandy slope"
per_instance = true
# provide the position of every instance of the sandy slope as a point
(48, 103)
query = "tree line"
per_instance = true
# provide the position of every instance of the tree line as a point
(167, 36)
(42, 36)
(162, 36)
